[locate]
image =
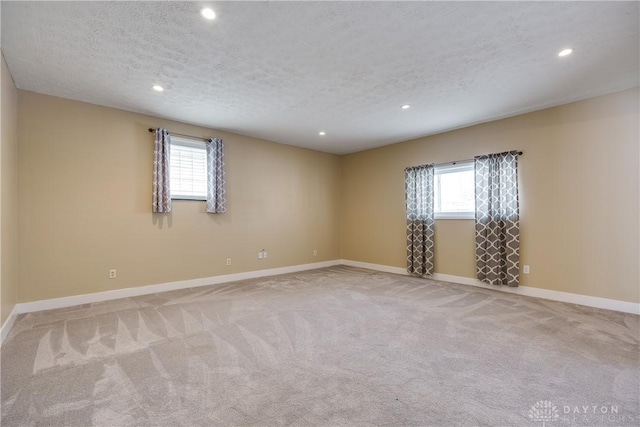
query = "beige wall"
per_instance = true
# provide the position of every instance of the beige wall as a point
(579, 191)
(85, 179)
(85, 204)
(8, 193)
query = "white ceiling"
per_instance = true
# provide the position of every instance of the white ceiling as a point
(283, 71)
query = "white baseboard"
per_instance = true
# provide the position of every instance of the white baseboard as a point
(377, 267)
(586, 300)
(7, 325)
(589, 301)
(49, 304)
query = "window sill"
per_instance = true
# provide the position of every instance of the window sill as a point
(187, 199)
(455, 215)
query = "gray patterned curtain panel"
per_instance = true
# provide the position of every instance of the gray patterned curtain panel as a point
(497, 219)
(161, 193)
(420, 230)
(216, 193)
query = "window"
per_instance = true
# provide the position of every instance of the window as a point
(454, 188)
(188, 169)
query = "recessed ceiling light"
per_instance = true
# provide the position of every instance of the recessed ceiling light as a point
(406, 106)
(565, 52)
(158, 88)
(208, 13)
(321, 133)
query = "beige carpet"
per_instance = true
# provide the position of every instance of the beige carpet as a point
(335, 346)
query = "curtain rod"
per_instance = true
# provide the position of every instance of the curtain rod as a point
(183, 135)
(520, 153)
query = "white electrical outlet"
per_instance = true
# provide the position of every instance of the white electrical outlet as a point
(264, 254)
(525, 269)
(228, 261)
(112, 274)
(260, 255)
(315, 252)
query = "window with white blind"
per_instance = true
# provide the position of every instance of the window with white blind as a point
(188, 169)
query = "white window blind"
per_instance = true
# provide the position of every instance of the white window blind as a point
(188, 169)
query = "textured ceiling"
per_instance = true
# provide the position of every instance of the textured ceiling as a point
(285, 70)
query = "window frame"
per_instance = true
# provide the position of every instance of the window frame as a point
(445, 169)
(191, 143)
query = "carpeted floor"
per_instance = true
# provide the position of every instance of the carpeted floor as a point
(335, 346)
